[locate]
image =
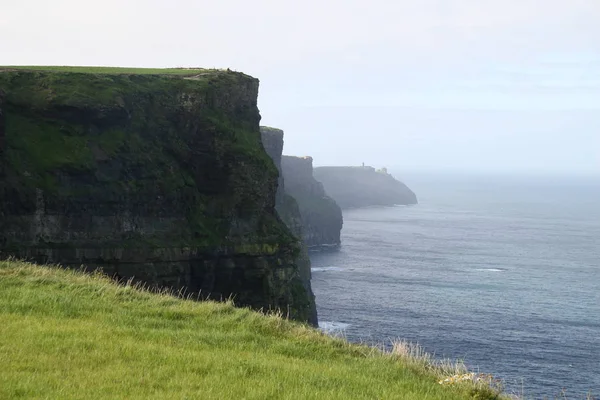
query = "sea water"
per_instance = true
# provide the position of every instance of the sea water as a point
(501, 272)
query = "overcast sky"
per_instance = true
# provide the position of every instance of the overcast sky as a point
(453, 85)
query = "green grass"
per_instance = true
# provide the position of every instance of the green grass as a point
(111, 70)
(69, 335)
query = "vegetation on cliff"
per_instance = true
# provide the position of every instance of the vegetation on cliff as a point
(134, 135)
(364, 186)
(112, 70)
(68, 335)
(154, 174)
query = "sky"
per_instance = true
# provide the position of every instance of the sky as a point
(432, 85)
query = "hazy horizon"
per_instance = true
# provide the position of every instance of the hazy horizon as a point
(457, 85)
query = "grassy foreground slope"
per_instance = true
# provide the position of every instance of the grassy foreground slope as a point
(68, 335)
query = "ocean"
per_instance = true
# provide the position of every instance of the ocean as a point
(502, 272)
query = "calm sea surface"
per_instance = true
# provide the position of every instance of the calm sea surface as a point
(503, 273)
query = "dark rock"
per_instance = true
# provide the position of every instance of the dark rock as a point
(272, 140)
(321, 216)
(2, 123)
(288, 210)
(363, 186)
(153, 177)
(2, 154)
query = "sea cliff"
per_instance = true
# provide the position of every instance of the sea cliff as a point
(321, 216)
(364, 186)
(159, 176)
(288, 210)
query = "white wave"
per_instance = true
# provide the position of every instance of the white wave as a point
(323, 269)
(490, 269)
(332, 327)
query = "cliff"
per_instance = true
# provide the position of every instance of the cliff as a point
(320, 215)
(2, 144)
(288, 210)
(272, 140)
(154, 175)
(286, 205)
(354, 187)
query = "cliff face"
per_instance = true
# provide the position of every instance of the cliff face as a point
(2, 142)
(158, 177)
(272, 140)
(363, 186)
(287, 208)
(321, 216)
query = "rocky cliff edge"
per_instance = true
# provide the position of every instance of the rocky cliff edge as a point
(157, 177)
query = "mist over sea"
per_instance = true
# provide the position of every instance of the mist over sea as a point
(503, 272)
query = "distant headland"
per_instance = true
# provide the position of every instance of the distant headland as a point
(363, 186)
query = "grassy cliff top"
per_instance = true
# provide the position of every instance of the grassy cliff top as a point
(114, 70)
(68, 335)
(269, 129)
(93, 87)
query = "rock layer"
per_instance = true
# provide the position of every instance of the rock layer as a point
(321, 216)
(354, 187)
(153, 177)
